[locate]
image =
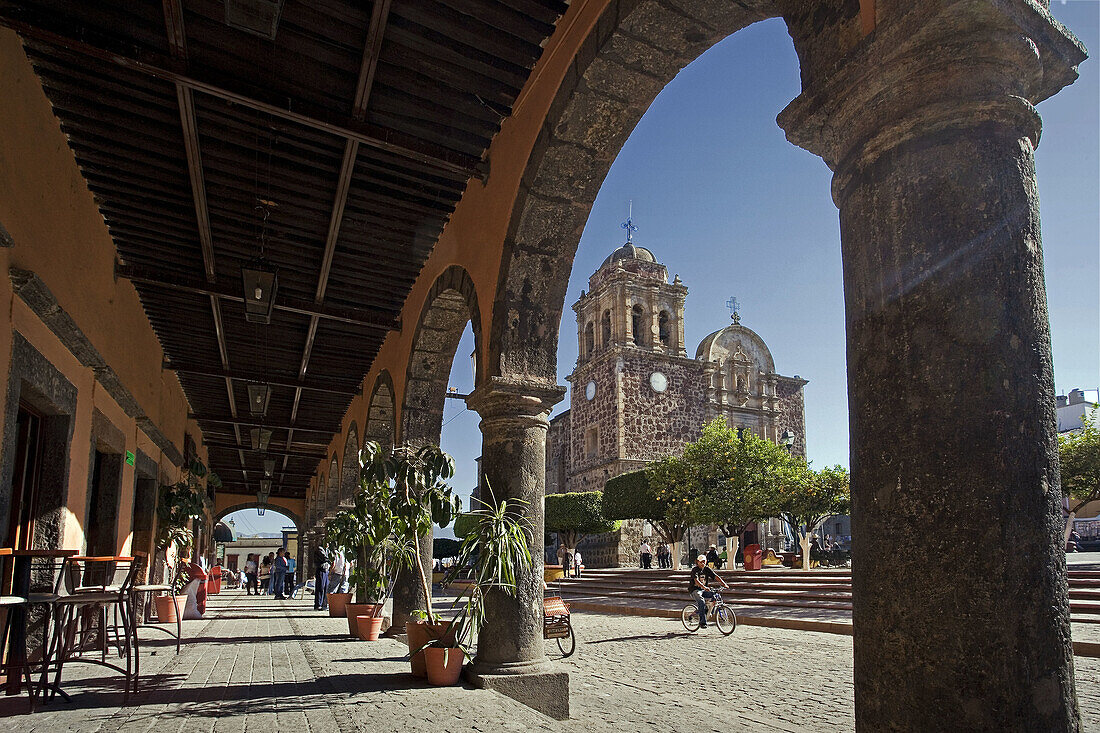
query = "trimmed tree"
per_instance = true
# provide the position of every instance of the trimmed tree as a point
(575, 515)
(659, 494)
(805, 497)
(737, 476)
(1079, 452)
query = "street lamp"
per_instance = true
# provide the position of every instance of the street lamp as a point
(787, 441)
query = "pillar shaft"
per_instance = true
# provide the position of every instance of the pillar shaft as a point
(960, 600)
(514, 422)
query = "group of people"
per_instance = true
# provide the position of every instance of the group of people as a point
(570, 560)
(271, 575)
(333, 574)
(664, 555)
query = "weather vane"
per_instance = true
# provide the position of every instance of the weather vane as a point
(735, 308)
(628, 225)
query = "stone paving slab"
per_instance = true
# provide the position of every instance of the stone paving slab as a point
(261, 665)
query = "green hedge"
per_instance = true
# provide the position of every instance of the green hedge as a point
(629, 496)
(580, 512)
(445, 547)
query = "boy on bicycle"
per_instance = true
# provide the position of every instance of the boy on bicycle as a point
(701, 577)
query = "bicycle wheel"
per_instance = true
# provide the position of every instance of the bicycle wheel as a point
(690, 617)
(568, 644)
(726, 619)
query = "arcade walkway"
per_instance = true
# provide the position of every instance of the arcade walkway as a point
(260, 665)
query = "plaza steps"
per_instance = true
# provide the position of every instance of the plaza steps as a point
(770, 593)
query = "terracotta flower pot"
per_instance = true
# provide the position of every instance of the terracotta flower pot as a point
(369, 627)
(420, 633)
(354, 610)
(336, 603)
(169, 608)
(444, 666)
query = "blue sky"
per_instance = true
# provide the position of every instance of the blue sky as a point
(724, 200)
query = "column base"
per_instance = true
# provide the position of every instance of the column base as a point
(540, 686)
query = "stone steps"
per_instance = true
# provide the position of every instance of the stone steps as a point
(826, 590)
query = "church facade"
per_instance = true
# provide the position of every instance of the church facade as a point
(636, 395)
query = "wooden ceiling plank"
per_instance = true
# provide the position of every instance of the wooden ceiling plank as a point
(226, 87)
(369, 318)
(240, 376)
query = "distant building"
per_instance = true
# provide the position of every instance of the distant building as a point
(637, 396)
(1072, 407)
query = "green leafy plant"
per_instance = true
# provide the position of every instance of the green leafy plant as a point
(805, 497)
(575, 515)
(493, 551)
(412, 484)
(1079, 453)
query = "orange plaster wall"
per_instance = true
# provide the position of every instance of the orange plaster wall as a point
(60, 236)
(474, 236)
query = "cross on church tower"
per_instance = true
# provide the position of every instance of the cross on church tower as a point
(735, 308)
(628, 225)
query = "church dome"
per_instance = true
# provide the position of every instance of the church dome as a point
(737, 342)
(629, 251)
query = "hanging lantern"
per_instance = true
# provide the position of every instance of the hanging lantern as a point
(260, 281)
(259, 396)
(261, 438)
(265, 486)
(269, 467)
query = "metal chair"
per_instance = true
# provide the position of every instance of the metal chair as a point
(14, 654)
(146, 592)
(87, 588)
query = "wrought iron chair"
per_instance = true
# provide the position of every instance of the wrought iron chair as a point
(87, 588)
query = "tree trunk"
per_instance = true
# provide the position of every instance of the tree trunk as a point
(731, 551)
(1068, 528)
(805, 542)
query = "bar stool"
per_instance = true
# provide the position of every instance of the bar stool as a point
(8, 604)
(13, 638)
(87, 588)
(149, 591)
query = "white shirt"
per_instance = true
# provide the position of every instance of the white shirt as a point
(645, 549)
(339, 565)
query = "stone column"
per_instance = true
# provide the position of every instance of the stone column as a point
(511, 655)
(960, 600)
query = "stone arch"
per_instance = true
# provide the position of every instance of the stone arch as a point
(272, 504)
(349, 473)
(451, 302)
(633, 51)
(381, 425)
(332, 491)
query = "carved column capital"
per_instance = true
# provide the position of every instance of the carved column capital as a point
(933, 68)
(507, 398)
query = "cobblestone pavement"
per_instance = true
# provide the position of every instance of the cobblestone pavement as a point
(261, 665)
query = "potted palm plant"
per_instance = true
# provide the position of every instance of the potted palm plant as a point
(365, 532)
(494, 546)
(413, 484)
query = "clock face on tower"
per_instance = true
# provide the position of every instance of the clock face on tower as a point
(590, 391)
(658, 381)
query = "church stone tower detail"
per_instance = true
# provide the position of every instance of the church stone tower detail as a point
(636, 396)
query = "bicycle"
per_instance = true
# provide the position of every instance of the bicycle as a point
(557, 625)
(718, 611)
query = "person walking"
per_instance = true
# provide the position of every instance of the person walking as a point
(320, 579)
(265, 575)
(337, 571)
(662, 555)
(713, 559)
(250, 574)
(561, 558)
(647, 555)
(577, 563)
(280, 567)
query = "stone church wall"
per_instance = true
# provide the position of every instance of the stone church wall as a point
(557, 454)
(659, 424)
